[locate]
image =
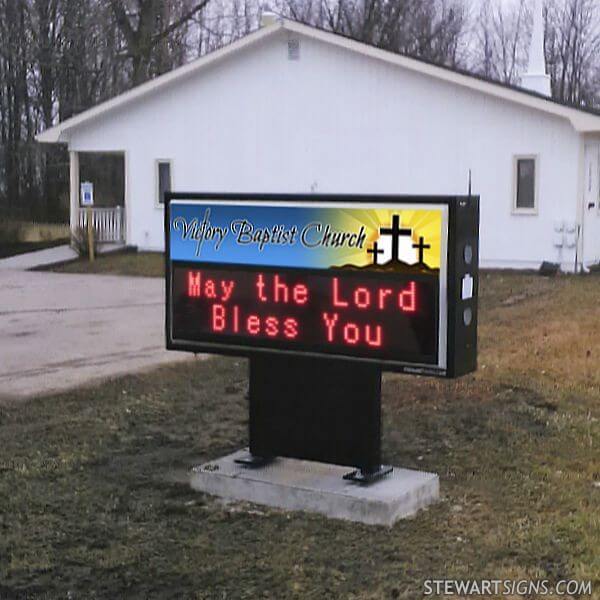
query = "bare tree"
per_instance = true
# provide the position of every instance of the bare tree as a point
(59, 57)
(573, 50)
(431, 30)
(15, 117)
(147, 27)
(501, 38)
(224, 21)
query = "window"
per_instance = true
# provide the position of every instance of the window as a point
(525, 184)
(163, 179)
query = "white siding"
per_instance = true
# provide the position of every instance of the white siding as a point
(336, 121)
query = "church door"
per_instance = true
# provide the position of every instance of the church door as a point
(591, 209)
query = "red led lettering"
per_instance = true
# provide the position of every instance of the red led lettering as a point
(383, 293)
(300, 294)
(290, 328)
(253, 325)
(354, 312)
(362, 297)
(227, 289)
(351, 334)
(272, 326)
(209, 289)
(336, 298)
(194, 280)
(260, 284)
(281, 292)
(373, 340)
(236, 319)
(280, 288)
(329, 323)
(218, 317)
(407, 299)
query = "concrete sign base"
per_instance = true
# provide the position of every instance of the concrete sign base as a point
(293, 484)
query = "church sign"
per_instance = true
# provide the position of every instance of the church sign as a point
(390, 281)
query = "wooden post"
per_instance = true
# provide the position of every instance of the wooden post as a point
(90, 233)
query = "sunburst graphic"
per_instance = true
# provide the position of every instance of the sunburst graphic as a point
(425, 227)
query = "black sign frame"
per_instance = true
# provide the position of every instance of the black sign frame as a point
(463, 222)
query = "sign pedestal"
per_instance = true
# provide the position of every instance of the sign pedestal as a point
(316, 409)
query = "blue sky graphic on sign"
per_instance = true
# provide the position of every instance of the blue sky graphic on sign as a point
(319, 237)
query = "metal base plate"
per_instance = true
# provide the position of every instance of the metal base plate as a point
(252, 461)
(361, 476)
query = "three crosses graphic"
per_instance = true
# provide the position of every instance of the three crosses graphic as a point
(396, 232)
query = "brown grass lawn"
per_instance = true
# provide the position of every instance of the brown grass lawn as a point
(94, 501)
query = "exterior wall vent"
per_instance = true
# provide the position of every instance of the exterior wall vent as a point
(293, 49)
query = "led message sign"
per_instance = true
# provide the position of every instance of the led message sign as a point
(363, 281)
(358, 316)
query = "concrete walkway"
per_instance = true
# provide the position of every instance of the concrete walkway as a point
(40, 258)
(59, 331)
(51, 256)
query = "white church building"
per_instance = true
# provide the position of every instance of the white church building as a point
(290, 108)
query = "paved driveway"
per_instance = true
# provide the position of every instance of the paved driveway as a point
(61, 330)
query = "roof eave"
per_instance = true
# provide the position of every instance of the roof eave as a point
(586, 123)
(49, 136)
(581, 121)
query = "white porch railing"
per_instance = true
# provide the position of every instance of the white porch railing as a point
(107, 223)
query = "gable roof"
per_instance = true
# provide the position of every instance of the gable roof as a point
(582, 119)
